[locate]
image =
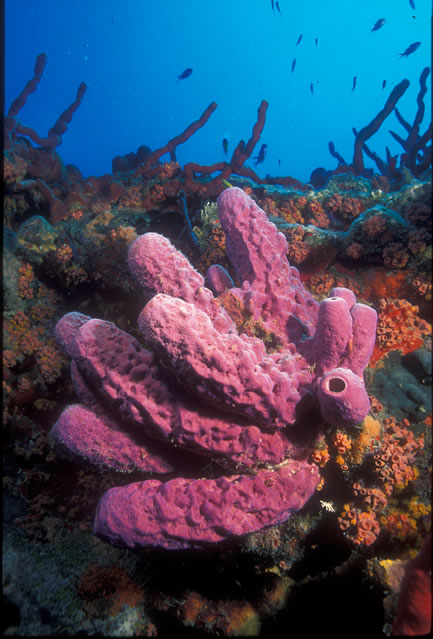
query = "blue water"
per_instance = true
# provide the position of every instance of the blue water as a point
(241, 51)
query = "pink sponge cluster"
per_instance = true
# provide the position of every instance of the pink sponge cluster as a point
(200, 386)
(111, 369)
(184, 513)
(223, 369)
(270, 288)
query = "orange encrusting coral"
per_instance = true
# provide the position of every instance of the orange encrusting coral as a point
(14, 168)
(346, 208)
(21, 338)
(320, 284)
(26, 282)
(368, 437)
(398, 328)
(422, 287)
(108, 588)
(214, 252)
(381, 283)
(394, 461)
(361, 527)
(228, 618)
(297, 249)
(50, 361)
(342, 444)
(64, 253)
(398, 524)
(320, 456)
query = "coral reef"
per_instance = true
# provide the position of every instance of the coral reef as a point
(399, 328)
(417, 154)
(207, 417)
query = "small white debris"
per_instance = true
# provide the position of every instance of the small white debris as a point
(327, 505)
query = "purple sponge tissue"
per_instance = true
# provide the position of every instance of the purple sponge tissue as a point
(198, 383)
(184, 513)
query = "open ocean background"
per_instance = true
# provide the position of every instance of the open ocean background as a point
(241, 51)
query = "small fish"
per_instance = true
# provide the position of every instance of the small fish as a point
(225, 146)
(413, 47)
(316, 41)
(412, 4)
(227, 184)
(383, 84)
(293, 64)
(379, 24)
(261, 156)
(354, 83)
(185, 74)
(273, 5)
(312, 88)
(299, 39)
(277, 4)
(279, 162)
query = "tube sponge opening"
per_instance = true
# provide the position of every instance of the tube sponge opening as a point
(342, 397)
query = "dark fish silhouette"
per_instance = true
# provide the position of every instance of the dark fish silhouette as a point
(412, 4)
(383, 84)
(311, 88)
(316, 41)
(299, 39)
(225, 146)
(277, 4)
(279, 162)
(354, 83)
(293, 64)
(273, 6)
(261, 156)
(379, 24)
(413, 47)
(185, 74)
